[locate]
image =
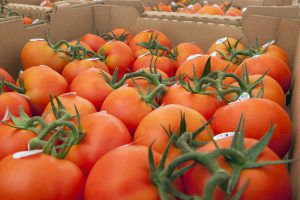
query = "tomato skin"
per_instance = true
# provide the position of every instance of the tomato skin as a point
(13, 140)
(184, 50)
(163, 63)
(91, 85)
(69, 101)
(196, 178)
(95, 42)
(278, 69)
(118, 54)
(126, 104)
(12, 101)
(278, 52)
(145, 36)
(119, 31)
(36, 53)
(211, 10)
(73, 68)
(7, 77)
(103, 132)
(259, 114)
(40, 82)
(199, 62)
(55, 178)
(232, 11)
(122, 172)
(150, 128)
(27, 21)
(204, 104)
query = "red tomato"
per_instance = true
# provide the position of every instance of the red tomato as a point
(73, 68)
(184, 50)
(145, 36)
(126, 104)
(95, 42)
(13, 140)
(91, 85)
(40, 82)
(69, 101)
(13, 101)
(37, 52)
(196, 178)
(7, 77)
(150, 128)
(161, 62)
(198, 62)
(259, 114)
(118, 54)
(27, 21)
(259, 64)
(232, 11)
(102, 133)
(211, 10)
(278, 52)
(204, 104)
(53, 178)
(123, 172)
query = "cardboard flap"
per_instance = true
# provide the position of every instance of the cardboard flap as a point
(289, 12)
(32, 11)
(135, 3)
(32, 2)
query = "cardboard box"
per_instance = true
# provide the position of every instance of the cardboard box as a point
(72, 21)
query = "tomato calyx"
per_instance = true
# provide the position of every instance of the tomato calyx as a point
(112, 36)
(13, 87)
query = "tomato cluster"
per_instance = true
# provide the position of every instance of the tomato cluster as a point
(126, 116)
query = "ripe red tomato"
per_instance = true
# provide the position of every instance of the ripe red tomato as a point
(54, 178)
(126, 104)
(211, 10)
(150, 128)
(7, 77)
(37, 52)
(161, 62)
(102, 133)
(13, 101)
(196, 178)
(40, 82)
(145, 36)
(118, 54)
(117, 32)
(95, 42)
(259, 114)
(13, 140)
(91, 85)
(278, 52)
(259, 64)
(73, 68)
(123, 172)
(232, 11)
(27, 21)
(184, 50)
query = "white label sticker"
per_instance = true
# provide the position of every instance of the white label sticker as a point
(221, 41)
(215, 5)
(224, 135)
(191, 57)
(242, 97)
(92, 59)
(190, 7)
(36, 39)
(268, 43)
(36, 21)
(173, 3)
(23, 154)
(214, 53)
(6, 115)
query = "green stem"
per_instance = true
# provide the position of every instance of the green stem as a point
(14, 88)
(236, 156)
(152, 95)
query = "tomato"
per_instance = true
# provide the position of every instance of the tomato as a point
(211, 10)
(7, 77)
(95, 42)
(204, 104)
(271, 89)
(13, 101)
(123, 173)
(102, 133)
(259, 64)
(91, 85)
(118, 54)
(196, 178)
(184, 50)
(161, 62)
(40, 82)
(46, 3)
(278, 52)
(13, 140)
(27, 21)
(69, 101)
(198, 62)
(145, 36)
(232, 11)
(37, 52)
(126, 104)
(120, 33)
(259, 114)
(73, 68)
(53, 178)
(194, 8)
(164, 7)
(151, 129)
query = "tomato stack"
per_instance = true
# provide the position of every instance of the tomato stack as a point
(123, 116)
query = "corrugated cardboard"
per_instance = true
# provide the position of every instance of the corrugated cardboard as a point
(70, 22)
